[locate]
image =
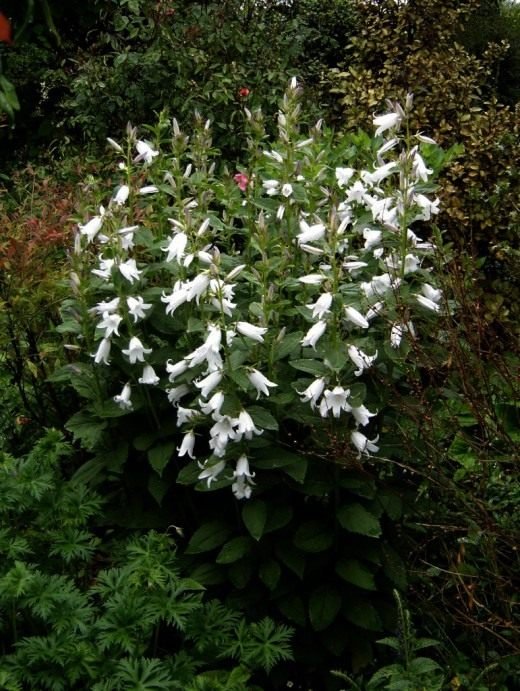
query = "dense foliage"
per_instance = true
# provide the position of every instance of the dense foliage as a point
(281, 357)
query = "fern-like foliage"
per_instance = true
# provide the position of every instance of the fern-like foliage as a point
(137, 624)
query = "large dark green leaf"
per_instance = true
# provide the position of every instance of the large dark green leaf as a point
(313, 536)
(160, 454)
(353, 571)
(356, 519)
(254, 515)
(207, 537)
(234, 550)
(324, 605)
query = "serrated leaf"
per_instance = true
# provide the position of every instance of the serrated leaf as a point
(254, 515)
(353, 571)
(86, 428)
(209, 536)
(313, 537)
(391, 503)
(324, 606)
(393, 566)
(356, 519)
(159, 456)
(234, 550)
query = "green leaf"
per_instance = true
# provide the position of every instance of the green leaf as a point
(86, 428)
(324, 605)
(277, 517)
(234, 550)
(356, 519)
(313, 537)
(293, 607)
(157, 488)
(254, 515)
(363, 614)
(207, 537)
(240, 573)
(159, 455)
(353, 571)
(393, 566)
(288, 345)
(461, 451)
(391, 503)
(262, 418)
(269, 573)
(291, 557)
(310, 366)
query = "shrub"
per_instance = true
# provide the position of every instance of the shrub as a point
(403, 47)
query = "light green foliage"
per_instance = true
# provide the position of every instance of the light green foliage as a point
(80, 608)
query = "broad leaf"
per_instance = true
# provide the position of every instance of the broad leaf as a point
(356, 519)
(207, 537)
(353, 571)
(254, 515)
(324, 605)
(313, 536)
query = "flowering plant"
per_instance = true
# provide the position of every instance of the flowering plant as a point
(262, 299)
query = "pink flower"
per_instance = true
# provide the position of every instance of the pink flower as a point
(242, 181)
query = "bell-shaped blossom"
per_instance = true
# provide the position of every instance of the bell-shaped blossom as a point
(102, 353)
(105, 306)
(427, 303)
(207, 384)
(314, 334)
(287, 189)
(136, 351)
(208, 351)
(176, 369)
(361, 415)
(427, 207)
(222, 431)
(378, 285)
(129, 270)
(123, 399)
(411, 263)
(360, 359)
(149, 377)
(322, 305)
(115, 145)
(197, 287)
(419, 169)
(187, 445)
(364, 445)
(385, 122)
(121, 195)
(127, 237)
(313, 392)
(110, 323)
(398, 330)
(255, 333)
(356, 193)
(260, 382)
(336, 400)
(145, 152)
(210, 473)
(148, 189)
(214, 405)
(310, 233)
(434, 294)
(372, 238)
(176, 247)
(375, 310)
(176, 393)
(176, 298)
(356, 317)
(185, 415)
(246, 427)
(343, 176)
(105, 268)
(312, 279)
(354, 265)
(271, 187)
(379, 174)
(92, 228)
(243, 479)
(137, 307)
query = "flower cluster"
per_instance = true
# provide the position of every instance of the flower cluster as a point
(327, 269)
